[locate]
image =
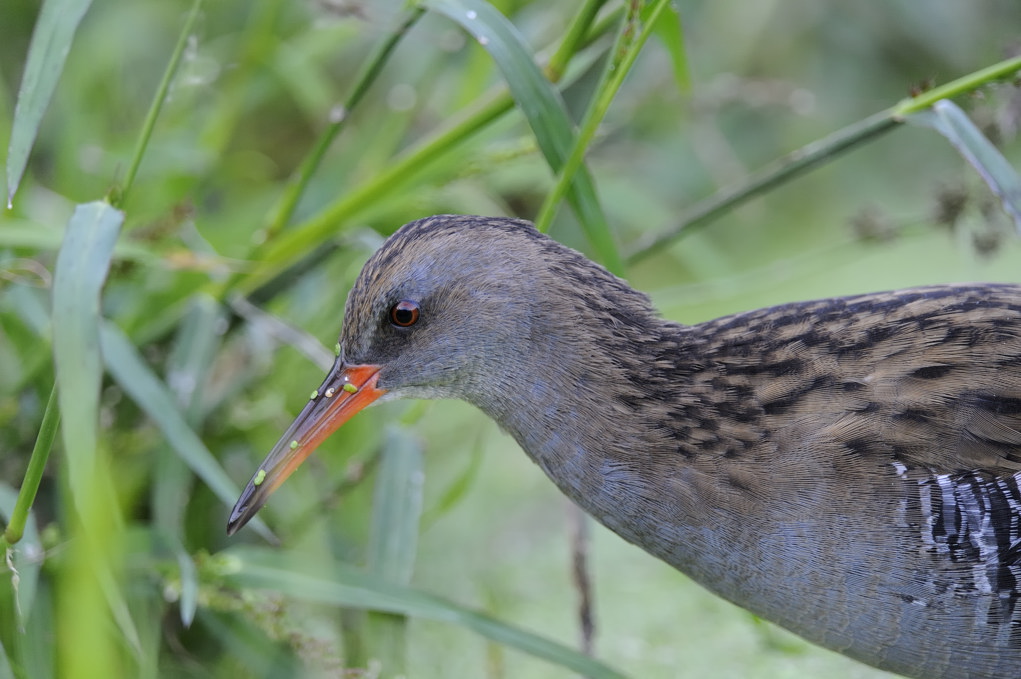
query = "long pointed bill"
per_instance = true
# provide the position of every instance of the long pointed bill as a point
(346, 390)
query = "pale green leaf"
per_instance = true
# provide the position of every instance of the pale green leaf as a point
(670, 31)
(396, 507)
(51, 41)
(948, 119)
(82, 265)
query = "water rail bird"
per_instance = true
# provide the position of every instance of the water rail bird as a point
(847, 468)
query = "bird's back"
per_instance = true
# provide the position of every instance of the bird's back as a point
(862, 473)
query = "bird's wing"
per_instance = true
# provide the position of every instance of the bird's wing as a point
(930, 377)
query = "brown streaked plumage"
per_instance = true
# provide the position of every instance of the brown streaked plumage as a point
(848, 468)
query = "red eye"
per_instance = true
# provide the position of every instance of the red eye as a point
(404, 314)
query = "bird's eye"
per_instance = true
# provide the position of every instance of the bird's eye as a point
(404, 314)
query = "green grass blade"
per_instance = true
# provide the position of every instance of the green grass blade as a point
(533, 93)
(190, 361)
(297, 184)
(198, 339)
(34, 474)
(393, 540)
(31, 653)
(119, 608)
(540, 102)
(301, 239)
(575, 36)
(409, 166)
(948, 119)
(130, 371)
(82, 265)
(779, 172)
(396, 507)
(118, 196)
(21, 552)
(669, 30)
(5, 664)
(51, 41)
(817, 153)
(1001, 70)
(29, 647)
(27, 559)
(263, 569)
(628, 45)
(189, 602)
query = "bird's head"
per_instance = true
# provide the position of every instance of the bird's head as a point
(475, 308)
(442, 300)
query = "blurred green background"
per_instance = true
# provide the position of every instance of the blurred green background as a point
(255, 89)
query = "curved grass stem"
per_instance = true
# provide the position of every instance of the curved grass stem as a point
(815, 154)
(119, 195)
(623, 55)
(296, 186)
(34, 474)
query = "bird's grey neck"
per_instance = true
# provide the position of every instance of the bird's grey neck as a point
(588, 419)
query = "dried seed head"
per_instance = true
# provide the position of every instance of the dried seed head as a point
(950, 204)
